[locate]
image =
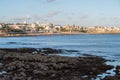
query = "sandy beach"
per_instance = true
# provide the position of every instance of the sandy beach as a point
(47, 34)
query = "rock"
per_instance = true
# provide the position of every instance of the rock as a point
(21, 50)
(22, 74)
(50, 51)
(117, 70)
(23, 65)
(12, 43)
(116, 77)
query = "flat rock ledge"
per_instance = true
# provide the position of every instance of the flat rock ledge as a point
(28, 66)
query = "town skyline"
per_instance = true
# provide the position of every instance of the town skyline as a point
(49, 28)
(78, 12)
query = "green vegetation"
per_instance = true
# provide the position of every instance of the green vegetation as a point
(64, 30)
(82, 30)
(5, 28)
(17, 30)
(40, 28)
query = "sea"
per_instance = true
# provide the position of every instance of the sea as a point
(103, 45)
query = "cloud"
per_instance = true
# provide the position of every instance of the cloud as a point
(52, 14)
(84, 17)
(19, 19)
(49, 1)
(69, 17)
(15, 18)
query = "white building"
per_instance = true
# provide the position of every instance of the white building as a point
(1, 25)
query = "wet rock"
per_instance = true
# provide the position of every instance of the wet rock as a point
(117, 70)
(21, 50)
(116, 77)
(42, 51)
(72, 50)
(12, 43)
(50, 51)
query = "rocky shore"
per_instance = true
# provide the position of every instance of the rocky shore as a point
(116, 76)
(37, 64)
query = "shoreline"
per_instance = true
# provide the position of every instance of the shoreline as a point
(47, 34)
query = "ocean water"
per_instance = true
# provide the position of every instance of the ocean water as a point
(104, 45)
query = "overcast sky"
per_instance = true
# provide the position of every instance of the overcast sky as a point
(79, 12)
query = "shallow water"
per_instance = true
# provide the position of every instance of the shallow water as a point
(105, 45)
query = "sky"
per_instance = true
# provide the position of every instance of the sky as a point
(62, 12)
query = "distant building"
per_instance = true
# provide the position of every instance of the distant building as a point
(56, 28)
(33, 27)
(49, 26)
(17, 26)
(1, 25)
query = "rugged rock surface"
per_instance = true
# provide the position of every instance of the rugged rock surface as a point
(115, 77)
(44, 51)
(23, 65)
